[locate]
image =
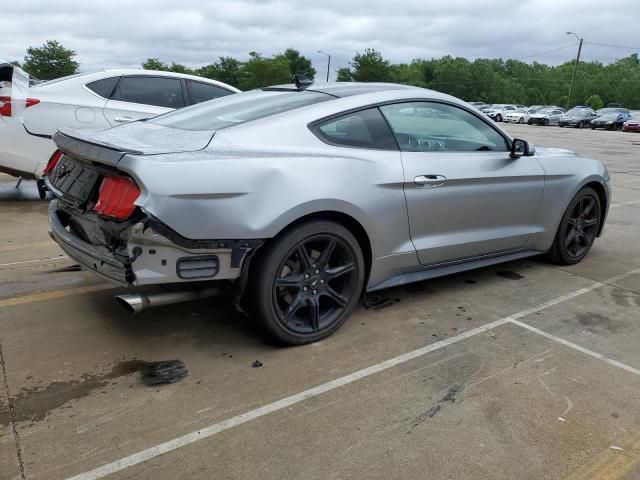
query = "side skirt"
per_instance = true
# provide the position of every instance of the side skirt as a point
(436, 272)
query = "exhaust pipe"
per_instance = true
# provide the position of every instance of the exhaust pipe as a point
(137, 302)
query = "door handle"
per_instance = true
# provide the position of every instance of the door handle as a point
(124, 119)
(430, 180)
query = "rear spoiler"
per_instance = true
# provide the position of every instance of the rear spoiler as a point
(77, 144)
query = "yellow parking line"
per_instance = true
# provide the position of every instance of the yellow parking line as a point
(40, 297)
(22, 246)
(611, 464)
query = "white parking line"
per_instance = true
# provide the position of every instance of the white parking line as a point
(156, 451)
(586, 351)
(34, 261)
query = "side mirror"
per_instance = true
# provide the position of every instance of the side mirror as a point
(522, 148)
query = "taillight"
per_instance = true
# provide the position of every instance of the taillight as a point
(116, 198)
(53, 161)
(5, 105)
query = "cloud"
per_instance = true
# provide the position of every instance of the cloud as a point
(123, 33)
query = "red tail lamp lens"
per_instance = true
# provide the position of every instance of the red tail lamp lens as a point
(117, 197)
(5, 105)
(53, 161)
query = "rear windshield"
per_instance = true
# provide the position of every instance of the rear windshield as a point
(239, 108)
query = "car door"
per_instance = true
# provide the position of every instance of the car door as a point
(143, 96)
(466, 197)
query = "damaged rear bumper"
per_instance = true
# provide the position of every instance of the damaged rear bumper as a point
(151, 254)
(93, 257)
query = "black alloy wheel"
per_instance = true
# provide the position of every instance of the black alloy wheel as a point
(578, 228)
(546, 122)
(309, 282)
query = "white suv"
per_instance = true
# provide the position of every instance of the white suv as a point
(96, 100)
(497, 112)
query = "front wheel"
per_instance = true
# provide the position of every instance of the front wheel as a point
(498, 118)
(578, 228)
(546, 122)
(580, 125)
(305, 284)
(521, 121)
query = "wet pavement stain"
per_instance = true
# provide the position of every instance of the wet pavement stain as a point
(35, 404)
(450, 397)
(597, 323)
(509, 275)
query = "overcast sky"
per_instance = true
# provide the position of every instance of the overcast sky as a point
(118, 33)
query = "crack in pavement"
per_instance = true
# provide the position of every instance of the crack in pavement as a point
(12, 415)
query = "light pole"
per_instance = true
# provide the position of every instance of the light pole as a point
(328, 62)
(575, 67)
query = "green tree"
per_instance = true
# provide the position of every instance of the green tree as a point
(298, 63)
(226, 69)
(368, 66)
(595, 102)
(261, 72)
(156, 64)
(50, 61)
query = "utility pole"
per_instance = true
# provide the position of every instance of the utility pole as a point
(575, 67)
(328, 62)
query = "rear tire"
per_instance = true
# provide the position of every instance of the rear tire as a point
(580, 125)
(578, 228)
(521, 121)
(304, 284)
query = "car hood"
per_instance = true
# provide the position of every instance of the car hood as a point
(142, 138)
(541, 115)
(553, 152)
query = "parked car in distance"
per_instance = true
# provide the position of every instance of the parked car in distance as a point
(521, 115)
(300, 198)
(498, 112)
(95, 100)
(546, 116)
(610, 118)
(480, 105)
(578, 117)
(632, 124)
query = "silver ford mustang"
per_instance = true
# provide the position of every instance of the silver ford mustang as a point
(304, 197)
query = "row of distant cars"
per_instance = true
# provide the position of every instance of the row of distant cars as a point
(610, 118)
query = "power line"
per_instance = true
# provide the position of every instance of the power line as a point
(612, 46)
(552, 50)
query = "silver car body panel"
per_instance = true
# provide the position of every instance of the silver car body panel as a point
(252, 180)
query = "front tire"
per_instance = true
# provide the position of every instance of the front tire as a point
(578, 228)
(306, 283)
(521, 121)
(546, 122)
(498, 118)
(580, 125)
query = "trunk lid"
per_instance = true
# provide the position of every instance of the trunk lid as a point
(137, 138)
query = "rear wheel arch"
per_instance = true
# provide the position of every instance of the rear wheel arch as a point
(347, 221)
(604, 201)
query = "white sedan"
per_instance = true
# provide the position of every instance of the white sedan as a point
(96, 100)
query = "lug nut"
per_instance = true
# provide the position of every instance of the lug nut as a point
(306, 275)
(314, 292)
(304, 289)
(321, 281)
(317, 272)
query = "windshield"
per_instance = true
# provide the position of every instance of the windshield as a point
(602, 111)
(239, 108)
(577, 112)
(545, 110)
(610, 114)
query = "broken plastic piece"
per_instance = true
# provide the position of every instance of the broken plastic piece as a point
(616, 448)
(376, 302)
(169, 371)
(562, 419)
(257, 364)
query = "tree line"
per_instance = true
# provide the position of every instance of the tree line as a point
(484, 80)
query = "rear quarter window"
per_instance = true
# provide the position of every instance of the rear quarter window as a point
(103, 87)
(201, 92)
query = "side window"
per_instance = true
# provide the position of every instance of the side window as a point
(201, 92)
(157, 91)
(103, 87)
(452, 129)
(362, 129)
